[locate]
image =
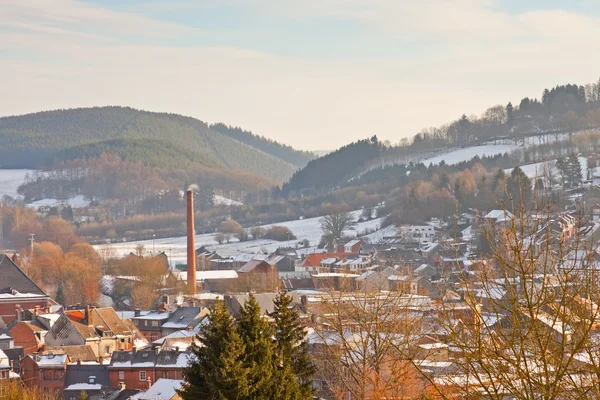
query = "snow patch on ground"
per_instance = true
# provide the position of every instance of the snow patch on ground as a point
(220, 200)
(309, 229)
(76, 202)
(538, 169)
(10, 179)
(457, 156)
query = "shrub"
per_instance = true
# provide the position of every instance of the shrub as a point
(279, 233)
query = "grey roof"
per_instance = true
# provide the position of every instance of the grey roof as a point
(14, 278)
(149, 358)
(81, 373)
(182, 318)
(264, 300)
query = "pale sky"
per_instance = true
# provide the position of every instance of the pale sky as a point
(315, 74)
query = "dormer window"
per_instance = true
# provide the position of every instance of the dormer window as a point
(92, 380)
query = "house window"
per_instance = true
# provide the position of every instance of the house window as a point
(106, 349)
(145, 323)
(48, 375)
(58, 374)
(121, 375)
(165, 374)
(143, 376)
(155, 323)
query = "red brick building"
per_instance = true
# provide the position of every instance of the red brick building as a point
(46, 371)
(30, 335)
(140, 369)
(18, 291)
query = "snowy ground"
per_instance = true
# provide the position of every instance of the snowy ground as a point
(75, 202)
(226, 201)
(309, 229)
(10, 179)
(460, 155)
(537, 169)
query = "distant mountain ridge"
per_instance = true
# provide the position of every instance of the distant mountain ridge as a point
(157, 139)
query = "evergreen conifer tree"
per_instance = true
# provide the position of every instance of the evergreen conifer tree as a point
(574, 171)
(218, 371)
(60, 294)
(518, 188)
(563, 169)
(291, 351)
(257, 335)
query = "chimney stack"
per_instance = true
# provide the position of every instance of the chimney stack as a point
(191, 251)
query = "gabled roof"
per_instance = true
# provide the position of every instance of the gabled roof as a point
(253, 264)
(236, 301)
(162, 389)
(13, 278)
(107, 318)
(182, 318)
(314, 260)
(75, 353)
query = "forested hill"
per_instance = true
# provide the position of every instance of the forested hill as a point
(295, 157)
(26, 141)
(331, 170)
(153, 153)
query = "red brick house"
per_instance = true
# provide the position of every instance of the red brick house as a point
(46, 371)
(18, 291)
(30, 335)
(101, 328)
(140, 369)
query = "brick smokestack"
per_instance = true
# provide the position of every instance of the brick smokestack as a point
(191, 251)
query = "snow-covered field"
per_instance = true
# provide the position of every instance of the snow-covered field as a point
(309, 229)
(10, 179)
(537, 169)
(460, 155)
(226, 201)
(75, 202)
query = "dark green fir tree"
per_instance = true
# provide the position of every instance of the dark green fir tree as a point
(257, 335)
(291, 351)
(218, 371)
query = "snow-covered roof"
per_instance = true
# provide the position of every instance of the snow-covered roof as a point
(162, 389)
(84, 386)
(209, 275)
(154, 315)
(353, 243)
(49, 360)
(499, 215)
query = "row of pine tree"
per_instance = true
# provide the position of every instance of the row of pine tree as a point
(251, 357)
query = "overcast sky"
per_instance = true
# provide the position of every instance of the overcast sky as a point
(315, 74)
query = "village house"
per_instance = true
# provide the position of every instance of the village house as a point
(45, 371)
(30, 335)
(18, 291)
(258, 275)
(89, 377)
(150, 324)
(162, 389)
(138, 369)
(184, 318)
(101, 328)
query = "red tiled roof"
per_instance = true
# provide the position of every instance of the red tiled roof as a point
(314, 260)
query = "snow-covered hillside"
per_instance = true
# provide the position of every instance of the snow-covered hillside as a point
(460, 155)
(220, 200)
(538, 169)
(309, 229)
(10, 179)
(75, 202)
